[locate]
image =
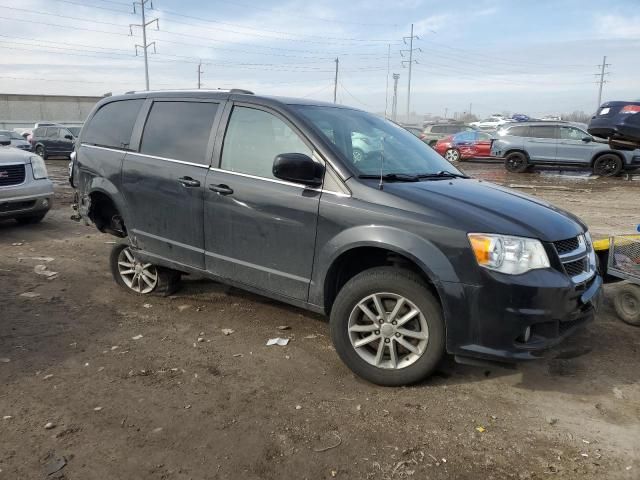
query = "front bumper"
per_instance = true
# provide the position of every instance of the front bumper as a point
(491, 321)
(31, 198)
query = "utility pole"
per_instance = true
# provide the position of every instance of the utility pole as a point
(470, 108)
(200, 72)
(394, 104)
(602, 80)
(335, 83)
(386, 92)
(145, 46)
(410, 62)
(446, 110)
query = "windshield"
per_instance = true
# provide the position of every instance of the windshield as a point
(75, 131)
(373, 145)
(11, 135)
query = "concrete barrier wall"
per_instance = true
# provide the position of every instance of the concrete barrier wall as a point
(23, 111)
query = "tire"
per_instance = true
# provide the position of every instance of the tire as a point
(627, 303)
(358, 155)
(432, 143)
(41, 152)
(607, 165)
(31, 219)
(516, 162)
(389, 284)
(143, 279)
(452, 155)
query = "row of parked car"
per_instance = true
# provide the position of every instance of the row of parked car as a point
(523, 145)
(46, 139)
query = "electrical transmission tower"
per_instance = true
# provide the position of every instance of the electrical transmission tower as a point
(410, 62)
(394, 103)
(602, 81)
(145, 46)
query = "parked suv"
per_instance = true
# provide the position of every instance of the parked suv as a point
(437, 131)
(26, 194)
(525, 145)
(52, 140)
(407, 256)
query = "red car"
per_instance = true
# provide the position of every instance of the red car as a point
(465, 145)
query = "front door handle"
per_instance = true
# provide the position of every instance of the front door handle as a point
(221, 189)
(188, 182)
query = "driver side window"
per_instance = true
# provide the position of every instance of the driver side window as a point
(254, 138)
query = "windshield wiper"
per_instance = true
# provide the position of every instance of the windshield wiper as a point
(393, 177)
(442, 174)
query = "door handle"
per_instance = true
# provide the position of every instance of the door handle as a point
(188, 182)
(221, 189)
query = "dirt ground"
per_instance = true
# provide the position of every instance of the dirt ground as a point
(151, 388)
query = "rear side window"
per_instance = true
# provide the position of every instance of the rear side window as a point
(179, 130)
(454, 128)
(543, 132)
(112, 125)
(38, 132)
(52, 132)
(517, 131)
(437, 129)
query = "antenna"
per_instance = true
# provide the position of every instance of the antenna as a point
(381, 184)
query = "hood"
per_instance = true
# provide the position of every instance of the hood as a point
(484, 207)
(13, 155)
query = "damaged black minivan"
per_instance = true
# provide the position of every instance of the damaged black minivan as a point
(409, 257)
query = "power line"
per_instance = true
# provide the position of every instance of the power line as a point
(354, 97)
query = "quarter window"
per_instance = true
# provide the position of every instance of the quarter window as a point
(51, 132)
(112, 125)
(179, 130)
(254, 138)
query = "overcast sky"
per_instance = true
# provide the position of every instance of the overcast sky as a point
(536, 57)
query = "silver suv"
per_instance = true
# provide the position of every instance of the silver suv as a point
(26, 193)
(435, 132)
(526, 145)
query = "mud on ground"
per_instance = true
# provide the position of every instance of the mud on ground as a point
(129, 391)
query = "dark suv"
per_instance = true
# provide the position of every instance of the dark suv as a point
(409, 257)
(52, 141)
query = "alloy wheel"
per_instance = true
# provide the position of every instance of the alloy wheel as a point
(139, 277)
(452, 155)
(388, 331)
(358, 155)
(40, 152)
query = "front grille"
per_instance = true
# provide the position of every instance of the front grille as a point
(566, 246)
(15, 206)
(576, 268)
(574, 255)
(11, 175)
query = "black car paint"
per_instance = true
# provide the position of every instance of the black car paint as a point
(283, 240)
(62, 144)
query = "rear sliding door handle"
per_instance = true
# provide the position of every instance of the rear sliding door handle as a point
(221, 189)
(188, 182)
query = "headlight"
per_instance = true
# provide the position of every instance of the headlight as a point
(510, 255)
(39, 168)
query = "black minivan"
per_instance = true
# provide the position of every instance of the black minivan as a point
(52, 141)
(409, 257)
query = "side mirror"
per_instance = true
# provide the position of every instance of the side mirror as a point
(298, 168)
(5, 140)
(69, 137)
(587, 139)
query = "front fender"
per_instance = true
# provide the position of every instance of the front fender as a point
(95, 184)
(421, 251)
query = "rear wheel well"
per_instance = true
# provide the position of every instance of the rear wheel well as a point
(104, 213)
(357, 260)
(516, 150)
(598, 155)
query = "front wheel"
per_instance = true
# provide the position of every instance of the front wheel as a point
(387, 327)
(139, 277)
(607, 166)
(452, 155)
(358, 155)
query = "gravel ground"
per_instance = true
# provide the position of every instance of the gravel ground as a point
(96, 383)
